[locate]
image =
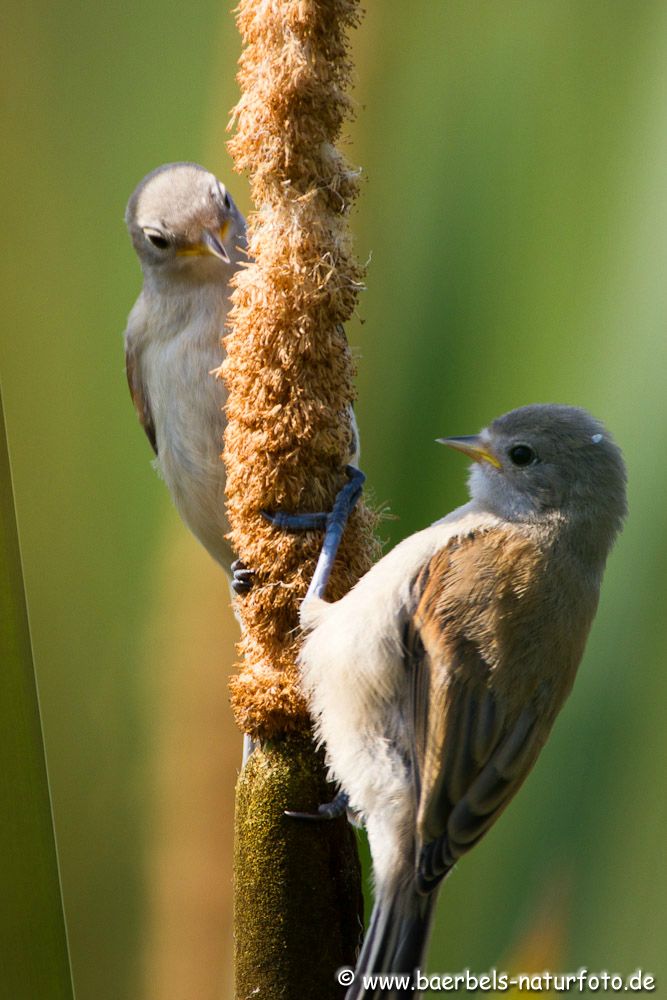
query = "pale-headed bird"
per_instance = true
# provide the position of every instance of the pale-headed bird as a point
(189, 237)
(435, 681)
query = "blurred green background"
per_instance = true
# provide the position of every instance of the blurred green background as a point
(515, 214)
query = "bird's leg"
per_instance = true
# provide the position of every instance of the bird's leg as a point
(334, 524)
(329, 810)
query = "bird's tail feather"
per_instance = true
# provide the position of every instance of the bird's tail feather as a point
(394, 946)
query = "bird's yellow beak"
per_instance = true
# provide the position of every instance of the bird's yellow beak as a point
(211, 243)
(473, 447)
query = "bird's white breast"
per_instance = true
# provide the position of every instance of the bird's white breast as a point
(353, 670)
(187, 403)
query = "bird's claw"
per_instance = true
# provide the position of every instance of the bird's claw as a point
(242, 578)
(328, 810)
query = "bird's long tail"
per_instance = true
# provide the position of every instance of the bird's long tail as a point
(394, 946)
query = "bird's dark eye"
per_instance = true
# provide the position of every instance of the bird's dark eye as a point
(521, 454)
(157, 238)
(219, 194)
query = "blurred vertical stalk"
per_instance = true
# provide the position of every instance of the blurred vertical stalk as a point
(35, 960)
(288, 370)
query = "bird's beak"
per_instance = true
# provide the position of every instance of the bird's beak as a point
(471, 446)
(212, 243)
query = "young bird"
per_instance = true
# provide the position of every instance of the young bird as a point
(435, 682)
(189, 237)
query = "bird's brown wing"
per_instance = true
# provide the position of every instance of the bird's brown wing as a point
(139, 395)
(473, 747)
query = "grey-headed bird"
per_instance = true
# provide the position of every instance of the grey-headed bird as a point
(189, 237)
(435, 681)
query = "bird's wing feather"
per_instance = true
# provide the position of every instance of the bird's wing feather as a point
(139, 395)
(472, 749)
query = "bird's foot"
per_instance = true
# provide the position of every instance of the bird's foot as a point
(333, 523)
(329, 810)
(242, 578)
(296, 522)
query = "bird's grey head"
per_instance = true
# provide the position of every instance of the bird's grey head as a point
(549, 458)
(183, 223)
